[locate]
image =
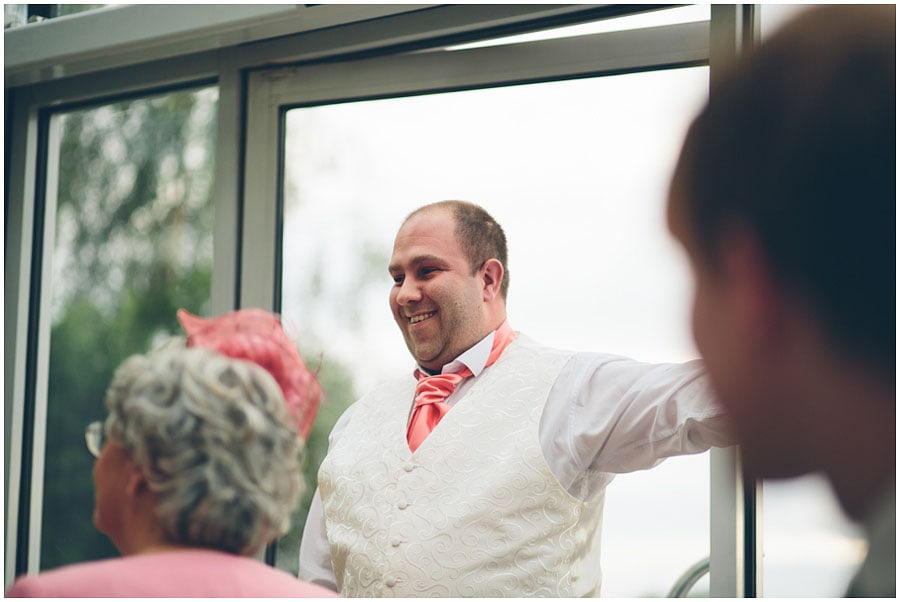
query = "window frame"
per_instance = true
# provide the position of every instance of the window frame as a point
(273, 92)
(258, 50)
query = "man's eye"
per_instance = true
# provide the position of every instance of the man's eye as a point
(398, 280)
(427, 271)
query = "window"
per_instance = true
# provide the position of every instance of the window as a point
(16, 15)
(577, 174)
(362, 101)
(133, 242)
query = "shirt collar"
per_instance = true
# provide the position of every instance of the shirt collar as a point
(474, 358)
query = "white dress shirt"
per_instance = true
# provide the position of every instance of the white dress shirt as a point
(605, 414)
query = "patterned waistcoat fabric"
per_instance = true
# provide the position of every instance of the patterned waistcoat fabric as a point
(474, 511)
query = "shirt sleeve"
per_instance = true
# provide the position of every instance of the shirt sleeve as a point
(608, 414)
(315, 551)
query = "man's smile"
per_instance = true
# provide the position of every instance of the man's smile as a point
(419, 317)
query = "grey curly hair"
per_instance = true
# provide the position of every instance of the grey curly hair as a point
(215, 442)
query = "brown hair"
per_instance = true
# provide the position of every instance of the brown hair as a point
(479, 235)
(797, 144)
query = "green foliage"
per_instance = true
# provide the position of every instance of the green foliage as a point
(134, 243)
(337, 382)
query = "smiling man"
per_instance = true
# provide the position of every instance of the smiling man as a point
(441, 309)
(482, 473)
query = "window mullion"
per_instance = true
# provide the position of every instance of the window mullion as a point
(20, 251)
(734, 551)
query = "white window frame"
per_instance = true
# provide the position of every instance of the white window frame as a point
(52, 65)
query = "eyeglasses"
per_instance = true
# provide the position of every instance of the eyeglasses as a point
(95, 437)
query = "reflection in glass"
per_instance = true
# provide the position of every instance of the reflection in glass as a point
(133, 244)
(577, 173)
(14, 15)
(17, 15)
(690, 13)
(71, 9)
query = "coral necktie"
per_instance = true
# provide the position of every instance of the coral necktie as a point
(433, 390)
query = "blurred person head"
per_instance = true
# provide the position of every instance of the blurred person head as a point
(201, 449)
(450, 280)
(784, 199)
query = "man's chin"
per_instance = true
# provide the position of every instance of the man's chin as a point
(431, 367)
(425, 358)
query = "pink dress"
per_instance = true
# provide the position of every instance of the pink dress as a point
(181, 574)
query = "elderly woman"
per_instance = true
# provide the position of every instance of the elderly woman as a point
(198, 467)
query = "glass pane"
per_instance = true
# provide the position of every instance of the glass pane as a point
(133, 243)
(71, 9)
(651, 18)
(810, 549)
(16, 15)
(576, 172)
(773, 16)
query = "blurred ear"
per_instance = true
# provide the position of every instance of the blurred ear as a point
(492, 276)
(137, 482)
(757, 301)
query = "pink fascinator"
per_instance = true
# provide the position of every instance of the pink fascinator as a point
(256, 335)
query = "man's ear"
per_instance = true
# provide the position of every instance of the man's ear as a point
(757, 300)
(492, 276)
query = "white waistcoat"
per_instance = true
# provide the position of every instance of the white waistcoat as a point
(474, 511)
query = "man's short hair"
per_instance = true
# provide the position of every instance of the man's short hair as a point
(479, 235)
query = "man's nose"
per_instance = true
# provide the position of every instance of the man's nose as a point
(409, 292)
